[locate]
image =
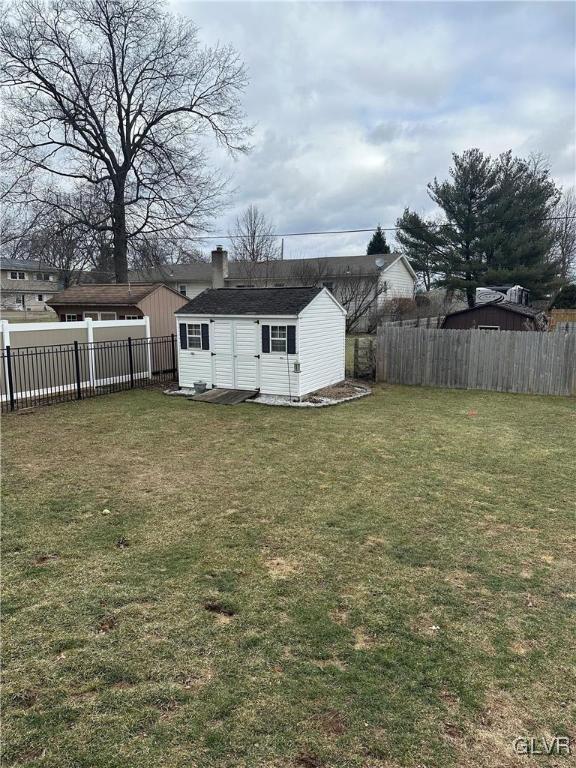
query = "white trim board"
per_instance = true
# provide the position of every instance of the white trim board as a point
(73, 325)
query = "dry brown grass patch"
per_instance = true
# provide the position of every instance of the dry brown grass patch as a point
(362, 640)
(279, 568)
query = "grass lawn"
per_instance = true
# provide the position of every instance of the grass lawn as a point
(385, 583)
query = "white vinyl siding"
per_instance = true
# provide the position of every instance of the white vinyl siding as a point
(399, 282)
(190, 290)
(322, 331)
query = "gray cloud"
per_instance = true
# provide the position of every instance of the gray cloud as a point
(359, 105)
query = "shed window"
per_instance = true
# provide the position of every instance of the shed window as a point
(194, 335)
(131, 317)
(107, 315)
(488, 327)
(278, 336)
(71, 318)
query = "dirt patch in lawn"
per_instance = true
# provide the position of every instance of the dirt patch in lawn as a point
(278, 568)
(337, 391)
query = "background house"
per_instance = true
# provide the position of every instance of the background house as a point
(125, 301)
(357, 282)
(27, 285)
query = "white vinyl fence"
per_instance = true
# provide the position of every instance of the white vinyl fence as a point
(42, 356)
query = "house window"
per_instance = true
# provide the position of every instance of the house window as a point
(40, 297)
(17, 275)
(71, 318)
(182, 290)
(43, 276)
(100, 315)
(278, 338)
(194, 335)
(488, 327)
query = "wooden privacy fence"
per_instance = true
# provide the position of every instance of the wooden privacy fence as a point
(504, 361)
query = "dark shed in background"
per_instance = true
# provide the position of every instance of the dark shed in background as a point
(497, 316)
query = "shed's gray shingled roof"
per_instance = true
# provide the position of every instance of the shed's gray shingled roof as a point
(250, 301)
(509, 306)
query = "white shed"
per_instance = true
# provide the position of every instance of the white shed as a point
(280, 341)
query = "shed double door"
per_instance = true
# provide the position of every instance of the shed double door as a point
(235, 358)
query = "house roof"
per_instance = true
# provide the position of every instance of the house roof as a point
(30, 266)
(323, 267)
(250, 301)
(200, 271)
(277, 269)
(104, 294)
(508, 306)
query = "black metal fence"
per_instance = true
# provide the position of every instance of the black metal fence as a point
(34, 376)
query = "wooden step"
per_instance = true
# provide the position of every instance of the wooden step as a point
(225, 396)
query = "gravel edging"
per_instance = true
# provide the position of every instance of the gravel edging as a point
(284, 402)
(180, 392)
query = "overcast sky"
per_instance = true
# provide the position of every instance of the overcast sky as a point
(358, 105)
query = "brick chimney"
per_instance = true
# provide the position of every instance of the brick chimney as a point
(219, 267)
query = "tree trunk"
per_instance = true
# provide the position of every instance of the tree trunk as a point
(120, 238)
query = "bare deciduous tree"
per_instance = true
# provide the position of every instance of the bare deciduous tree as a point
(120, 95)
(565, 234)
(52, 237)
(253, 243)
(360, 294)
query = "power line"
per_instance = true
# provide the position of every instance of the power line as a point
(368, 229)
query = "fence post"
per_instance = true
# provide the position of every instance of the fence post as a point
(77, 362)
(130, 362)
(91, 363)
(173, 338)
(5, 343)
(356, 356)
(148, 345)
(9, 377)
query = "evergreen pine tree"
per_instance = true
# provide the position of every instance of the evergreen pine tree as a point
(495, 227)
(378, 243)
